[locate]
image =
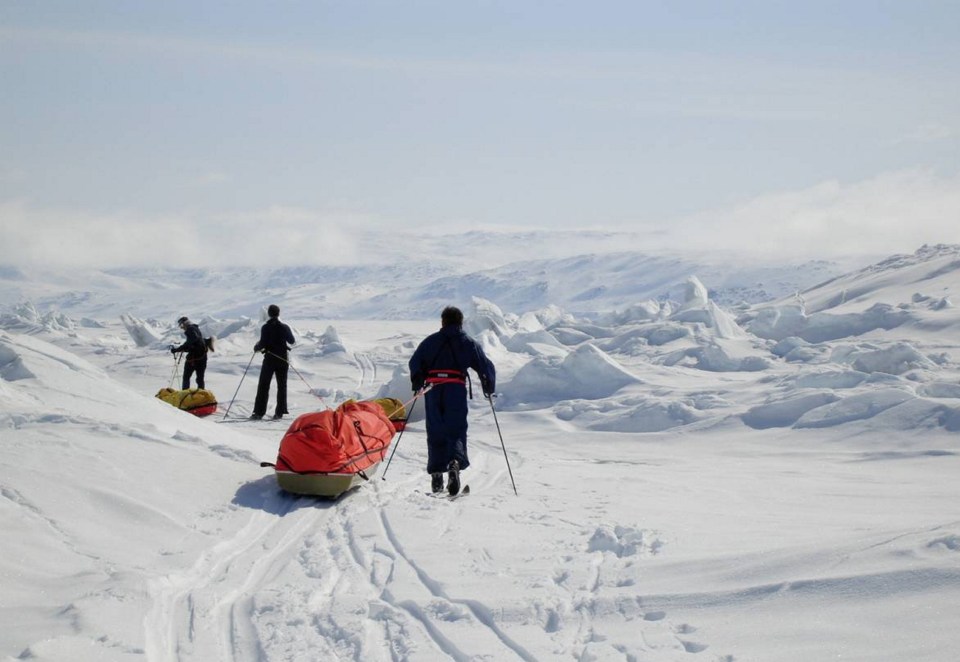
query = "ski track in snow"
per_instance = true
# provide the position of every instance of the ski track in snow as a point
(217, 590)
(368, 370)
(278, 588)
(306, 579)
(481, 613)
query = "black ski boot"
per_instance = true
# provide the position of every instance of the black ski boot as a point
(436, 482)
(453, 477)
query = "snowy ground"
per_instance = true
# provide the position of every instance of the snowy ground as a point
(775, 482)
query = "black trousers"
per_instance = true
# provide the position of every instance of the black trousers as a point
(191, 366)
(272, 366)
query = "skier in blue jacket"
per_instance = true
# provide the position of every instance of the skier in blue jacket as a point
(441, 361)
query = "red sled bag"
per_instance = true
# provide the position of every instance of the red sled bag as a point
(327, 452)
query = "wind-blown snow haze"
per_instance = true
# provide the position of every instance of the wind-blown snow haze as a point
(178, 135)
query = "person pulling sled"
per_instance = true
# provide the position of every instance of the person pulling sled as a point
(441, 361)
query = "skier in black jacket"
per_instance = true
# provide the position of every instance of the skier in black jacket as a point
(441, 361)
(275, 338)
(196, 350)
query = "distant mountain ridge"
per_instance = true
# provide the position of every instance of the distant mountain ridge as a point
(929, 272)
(413, 277)
(590, 284)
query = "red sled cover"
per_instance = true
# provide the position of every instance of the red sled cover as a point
(349, 439)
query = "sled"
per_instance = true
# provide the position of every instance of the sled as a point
(329, 485)
(395, 411)
(327, 453)
(197, 401)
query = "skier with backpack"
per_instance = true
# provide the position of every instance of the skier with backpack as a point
(196, 349)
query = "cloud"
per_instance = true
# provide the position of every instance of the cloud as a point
(890, 213)
(271, 237)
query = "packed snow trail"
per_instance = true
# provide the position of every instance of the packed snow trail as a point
(307, 579)
(200, 613)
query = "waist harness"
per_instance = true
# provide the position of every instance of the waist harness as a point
(446, 377)
(438, 377)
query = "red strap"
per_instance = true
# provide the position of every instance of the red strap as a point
(446, 377)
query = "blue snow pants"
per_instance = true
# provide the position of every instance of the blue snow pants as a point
(446, 414)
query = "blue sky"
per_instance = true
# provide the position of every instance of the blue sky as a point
(652, 116)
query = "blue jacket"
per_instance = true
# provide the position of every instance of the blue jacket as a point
(451, 349)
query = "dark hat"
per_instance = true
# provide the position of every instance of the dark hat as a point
(182, 320)
(273, 310)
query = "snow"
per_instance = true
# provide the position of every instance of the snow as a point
(696, 479)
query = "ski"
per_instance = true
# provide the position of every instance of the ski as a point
(450, 497)
(265, 419)
(443, 495)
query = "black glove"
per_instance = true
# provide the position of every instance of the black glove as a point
(416, 383)
(173, 350)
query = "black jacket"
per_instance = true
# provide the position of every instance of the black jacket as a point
(193, 345)
(275, 336)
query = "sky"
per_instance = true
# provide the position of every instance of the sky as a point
(189, 133)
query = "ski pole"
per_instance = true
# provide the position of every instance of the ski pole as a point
(176, 368)
(238, 387)
(412, 400)
(413, 403)
(287, 361)
(490, 398)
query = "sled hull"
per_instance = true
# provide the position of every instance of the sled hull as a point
(324, 485)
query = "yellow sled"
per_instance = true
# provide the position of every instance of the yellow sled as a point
(197, 401)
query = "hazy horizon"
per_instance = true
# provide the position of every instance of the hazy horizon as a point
(236, 133)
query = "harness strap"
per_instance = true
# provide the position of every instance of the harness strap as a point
(445, 377)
